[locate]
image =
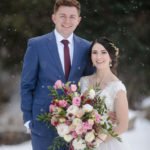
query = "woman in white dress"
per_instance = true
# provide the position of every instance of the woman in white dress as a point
(104, 56)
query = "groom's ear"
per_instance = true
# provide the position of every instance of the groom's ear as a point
(53, 17)
(79, 19)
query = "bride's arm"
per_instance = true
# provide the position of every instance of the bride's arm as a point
(121, 109)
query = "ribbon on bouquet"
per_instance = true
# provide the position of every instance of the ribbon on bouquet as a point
(71, 146)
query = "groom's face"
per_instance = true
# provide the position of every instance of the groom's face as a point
(66, 20)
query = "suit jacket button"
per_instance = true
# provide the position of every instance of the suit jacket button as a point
(41, 109)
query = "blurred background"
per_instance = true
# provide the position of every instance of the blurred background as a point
(125, 22)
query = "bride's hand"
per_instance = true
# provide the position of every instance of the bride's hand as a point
(113, 117)
(102, 137)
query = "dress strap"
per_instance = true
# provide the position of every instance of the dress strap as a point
(84, 83)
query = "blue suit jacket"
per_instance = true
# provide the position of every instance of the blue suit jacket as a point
(41, 68)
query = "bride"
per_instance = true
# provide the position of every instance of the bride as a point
(104, 54)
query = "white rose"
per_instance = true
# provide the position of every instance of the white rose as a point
(62, 129)
(77, 122)
(79, 144)
(89, 137)
(91, 121)
(87, 108)
(91, 94)
(68, 137)
(57, 110)
(72, 109)
(80, 113)
(95, 111)
(72, 127)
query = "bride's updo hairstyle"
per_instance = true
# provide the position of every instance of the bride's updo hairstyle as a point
(111, 49)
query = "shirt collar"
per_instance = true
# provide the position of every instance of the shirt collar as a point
(59, 37)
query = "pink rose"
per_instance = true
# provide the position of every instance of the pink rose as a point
(67, 122)
(79, 130)
(54, 121)
(90, 144)
(97, 118)
(76, 101)
(51, 108)
(73, 87)
(74, 134)
(86, 126)
(62, 103)
(58, 84)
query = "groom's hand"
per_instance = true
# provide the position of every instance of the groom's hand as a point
(113, 117)
(28, 130)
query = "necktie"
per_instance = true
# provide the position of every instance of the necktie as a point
(67, 63)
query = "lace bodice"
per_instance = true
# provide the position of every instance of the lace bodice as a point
(109, 91)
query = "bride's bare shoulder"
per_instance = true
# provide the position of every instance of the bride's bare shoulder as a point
(114, 78)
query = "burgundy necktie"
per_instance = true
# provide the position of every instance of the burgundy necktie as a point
(67, 62)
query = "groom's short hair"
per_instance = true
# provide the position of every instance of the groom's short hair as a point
(69, 3)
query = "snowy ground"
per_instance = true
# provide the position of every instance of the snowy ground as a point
(138, 138)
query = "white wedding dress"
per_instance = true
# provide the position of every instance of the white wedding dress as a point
(110, 92)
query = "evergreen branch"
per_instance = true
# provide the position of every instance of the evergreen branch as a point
(58, 143)
(45, 118)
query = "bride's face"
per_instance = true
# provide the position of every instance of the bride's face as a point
(100, 57)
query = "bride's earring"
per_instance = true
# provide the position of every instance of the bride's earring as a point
(110, 64)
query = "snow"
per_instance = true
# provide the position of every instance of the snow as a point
(12, 120)
(23, 146)
(146, 102)
(138, 138)
(132, 114)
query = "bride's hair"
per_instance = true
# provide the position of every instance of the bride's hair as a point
(111, 49)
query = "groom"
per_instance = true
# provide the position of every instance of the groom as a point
(59, 55)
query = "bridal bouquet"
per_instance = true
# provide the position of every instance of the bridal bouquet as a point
(80, 119)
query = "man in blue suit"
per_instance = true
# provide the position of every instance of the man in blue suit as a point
(44, 63)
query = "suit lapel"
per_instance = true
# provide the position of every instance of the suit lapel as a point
(76, 53)
(53, 49)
